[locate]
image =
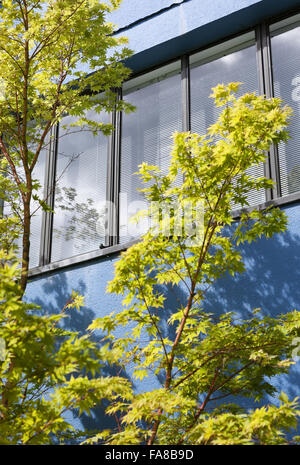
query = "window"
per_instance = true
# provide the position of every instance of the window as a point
(231, 61)
(80, 190)
(285, 44)
(146, 135)
(84, 171)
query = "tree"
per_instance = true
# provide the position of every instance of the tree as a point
(205, 362)
(45, 371)
(45, 48)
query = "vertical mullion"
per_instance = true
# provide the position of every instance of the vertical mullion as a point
(185, 93)
(44, 214)
(112, 188)
(269, 92)
(47, 220)
(263, 90)
(117, 168)
(260, 60)
(110, 184)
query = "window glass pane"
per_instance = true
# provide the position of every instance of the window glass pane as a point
(80, 190)
(231, 61)
(37, 211)
(286, 74)
(146, 136)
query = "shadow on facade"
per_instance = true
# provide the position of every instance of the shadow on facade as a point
(271, 281)
(57, 290)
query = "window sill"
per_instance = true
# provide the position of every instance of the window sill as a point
(279, 202)
(117, 249)
(80, 259)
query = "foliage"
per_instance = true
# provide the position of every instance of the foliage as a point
(47, 371)
(205, 362)
(47, 52)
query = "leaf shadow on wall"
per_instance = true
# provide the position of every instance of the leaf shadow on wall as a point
(271, 282)
(57, 288)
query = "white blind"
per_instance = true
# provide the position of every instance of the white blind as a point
(231, 61)
(80, 190)
(146, 136)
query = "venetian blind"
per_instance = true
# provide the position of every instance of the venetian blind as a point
(80, 190)
(231, 61)
(146, 137)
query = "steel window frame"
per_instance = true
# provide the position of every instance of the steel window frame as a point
(186, 93)
(116, 155)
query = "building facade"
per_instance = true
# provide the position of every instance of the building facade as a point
(182, 48)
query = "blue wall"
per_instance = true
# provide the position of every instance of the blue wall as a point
(271, 282)
(159, 30)
(163, 29)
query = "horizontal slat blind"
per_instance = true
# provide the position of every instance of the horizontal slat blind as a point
(231, 61)
(146, 137)
(80, 190)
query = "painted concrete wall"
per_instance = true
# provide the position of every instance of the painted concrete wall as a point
(132, 11)
(159, 30)
(149, 23)
(272, 280)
